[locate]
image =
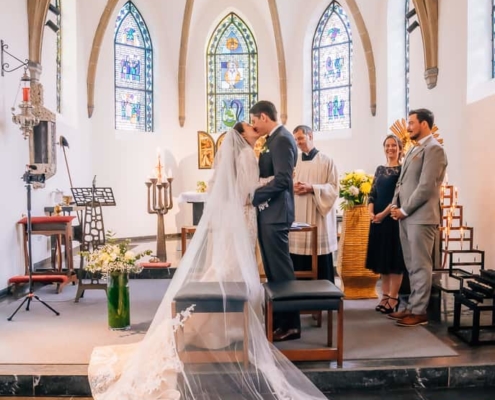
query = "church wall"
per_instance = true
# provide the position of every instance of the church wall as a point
(13, 148)
(133, 155)
(478, 164)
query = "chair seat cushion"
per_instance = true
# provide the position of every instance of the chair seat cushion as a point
(302, 290)
(212, 291)
(212, 296)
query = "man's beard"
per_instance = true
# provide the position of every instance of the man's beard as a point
(413, 136)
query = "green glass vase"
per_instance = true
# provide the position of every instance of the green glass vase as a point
(119, 310)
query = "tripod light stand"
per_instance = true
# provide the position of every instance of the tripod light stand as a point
(28, 179)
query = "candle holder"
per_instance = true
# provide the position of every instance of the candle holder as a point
(159, 203)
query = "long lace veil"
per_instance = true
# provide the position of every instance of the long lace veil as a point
(220, 251)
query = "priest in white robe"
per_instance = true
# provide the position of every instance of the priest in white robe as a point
(316, 189)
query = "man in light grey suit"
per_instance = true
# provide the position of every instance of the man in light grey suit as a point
(416, 204)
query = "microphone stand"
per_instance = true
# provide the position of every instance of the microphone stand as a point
(27, 177)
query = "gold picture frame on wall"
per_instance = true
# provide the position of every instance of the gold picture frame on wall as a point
(207, 148)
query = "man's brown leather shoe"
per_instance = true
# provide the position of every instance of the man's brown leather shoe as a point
(399, 314)
(280, 335)
(413, 320)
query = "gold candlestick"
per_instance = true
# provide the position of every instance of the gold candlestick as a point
(159, 203)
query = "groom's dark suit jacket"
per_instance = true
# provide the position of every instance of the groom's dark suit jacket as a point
(275, 220)
(279, 161)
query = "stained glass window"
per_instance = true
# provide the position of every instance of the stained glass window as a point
(59, 57)
(232, 74)
(406, 56)
(332, 68)
(133, 71)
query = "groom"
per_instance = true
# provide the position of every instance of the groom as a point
(275, 202)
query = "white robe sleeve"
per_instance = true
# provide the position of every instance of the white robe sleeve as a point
(326, 194)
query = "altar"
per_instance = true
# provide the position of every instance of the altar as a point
(198, 201)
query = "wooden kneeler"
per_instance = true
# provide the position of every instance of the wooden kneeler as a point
(314, 295)
(210, 297)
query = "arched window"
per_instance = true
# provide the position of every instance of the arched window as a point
(406, 56)
(133, 71)
(332, 68)
(232, 74)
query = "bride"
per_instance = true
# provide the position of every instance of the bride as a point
(222, 250)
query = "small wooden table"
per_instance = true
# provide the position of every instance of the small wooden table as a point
(60, 226)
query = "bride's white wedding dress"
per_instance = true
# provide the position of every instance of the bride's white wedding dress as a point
(220, 251)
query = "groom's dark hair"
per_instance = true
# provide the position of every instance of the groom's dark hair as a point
(424, 114)
(264, 107)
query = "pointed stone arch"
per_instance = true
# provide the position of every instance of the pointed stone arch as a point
(368, 51)
(95, 53)
(427, 11)
(184, 40)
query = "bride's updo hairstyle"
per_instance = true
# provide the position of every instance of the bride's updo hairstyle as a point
(239, 127)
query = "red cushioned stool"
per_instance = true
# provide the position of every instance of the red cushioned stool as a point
(60, 280)
(60, 226)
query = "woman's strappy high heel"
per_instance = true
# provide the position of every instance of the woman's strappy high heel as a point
(382, 303)
(388, 309)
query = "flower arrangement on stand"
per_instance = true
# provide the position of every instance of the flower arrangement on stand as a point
(355, 187)
(115, 261)
(357, 281)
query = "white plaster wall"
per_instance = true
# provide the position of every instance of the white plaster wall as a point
(13, 149)
(14, 152)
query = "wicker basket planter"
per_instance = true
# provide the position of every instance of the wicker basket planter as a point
(357, 281)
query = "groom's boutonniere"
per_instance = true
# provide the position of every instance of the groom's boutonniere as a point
(264, 148)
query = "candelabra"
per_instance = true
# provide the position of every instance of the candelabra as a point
(159, 203)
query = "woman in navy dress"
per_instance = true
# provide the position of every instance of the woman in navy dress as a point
(384, 249)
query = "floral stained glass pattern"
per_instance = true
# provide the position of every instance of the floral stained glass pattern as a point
(232, 74)
(133, 71)
(332, 70)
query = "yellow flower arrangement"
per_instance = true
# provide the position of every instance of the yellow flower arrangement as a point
(355, 187)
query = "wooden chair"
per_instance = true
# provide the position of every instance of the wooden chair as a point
(210, 297)
(307, 295)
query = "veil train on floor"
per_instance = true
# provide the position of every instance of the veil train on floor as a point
(221, 251)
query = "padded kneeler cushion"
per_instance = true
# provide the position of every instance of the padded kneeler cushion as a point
(155, 264)
(47, 220)
(39, 278)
